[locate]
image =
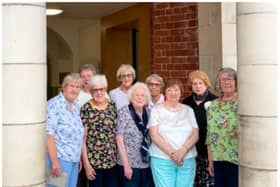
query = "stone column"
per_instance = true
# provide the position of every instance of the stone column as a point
(257, 76)
(228, 17)
(24, 94)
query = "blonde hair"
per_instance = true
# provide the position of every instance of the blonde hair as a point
(198, 74)
(123, 68)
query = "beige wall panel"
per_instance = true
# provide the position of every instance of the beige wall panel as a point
(249, 8)
(32, 19)
(259, 147)
(24, 151)
(257, 178)
(259, 31)
(24, 94)
(250, 78)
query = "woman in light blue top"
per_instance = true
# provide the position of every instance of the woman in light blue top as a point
(174, 132)
(65, 131)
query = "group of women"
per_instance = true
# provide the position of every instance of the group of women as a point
(137, 137)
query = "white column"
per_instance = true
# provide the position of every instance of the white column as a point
(24, 94)
(228, 16)
(257, 76)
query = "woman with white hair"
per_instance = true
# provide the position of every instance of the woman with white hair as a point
(65, 131)
(99, 117)
(126, 76)
(133, 139)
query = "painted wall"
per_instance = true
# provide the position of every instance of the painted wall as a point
(83, 40)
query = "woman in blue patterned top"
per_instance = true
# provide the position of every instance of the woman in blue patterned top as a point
(65, 131)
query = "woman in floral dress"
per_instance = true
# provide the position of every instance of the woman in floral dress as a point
(99, 116)
(222, 131)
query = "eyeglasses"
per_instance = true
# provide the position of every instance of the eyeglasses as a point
(125, 76)
(150, 84)
(227, 79)
(95, 90)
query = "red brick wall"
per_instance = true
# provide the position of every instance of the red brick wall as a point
(175, 40)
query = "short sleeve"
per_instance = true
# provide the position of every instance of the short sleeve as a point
(154, 118)
(192, 118)
(52, 118)
(122, 120)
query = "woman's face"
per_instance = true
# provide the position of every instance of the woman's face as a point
(86, 75)
(228, 84)
(173, 93)
(139, 98)
(98, 93)
(154, 87)
(198, 86)
(71, 91)
(126, 78)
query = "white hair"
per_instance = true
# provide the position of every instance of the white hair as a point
(71, 77)
(98, 79)
(136, 86)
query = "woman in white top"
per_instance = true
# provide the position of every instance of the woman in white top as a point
(174, 132)
(126, 76)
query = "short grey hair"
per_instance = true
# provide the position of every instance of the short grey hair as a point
(98, 79)
(71, 77)
(155, 77)
(88, 67)
(123, 68)
(230, 72)
(136, 86)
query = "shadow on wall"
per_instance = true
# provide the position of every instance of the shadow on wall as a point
(59, 61)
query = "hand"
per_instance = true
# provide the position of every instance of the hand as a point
(128, 172)
(178, 156)
(56, 168)
(90, 173)
(211, 168)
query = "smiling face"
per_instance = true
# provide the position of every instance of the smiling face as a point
(139, 98)
(154, 87)
(227, 83)
(71, 91)
(126, 79)
(98, 93)
(198, 86)
(86, 75)
(173, 93)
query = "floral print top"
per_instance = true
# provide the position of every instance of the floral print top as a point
(222, 130)
(66, 127)
(101, 134)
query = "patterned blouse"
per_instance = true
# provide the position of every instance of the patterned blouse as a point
(67, 128)
(101, 134)
(222, 130)
(132, 138)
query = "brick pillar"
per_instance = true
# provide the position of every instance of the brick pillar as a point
(175, 40)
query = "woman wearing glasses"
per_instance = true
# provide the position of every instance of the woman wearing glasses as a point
(99, 117)
(126, 76)
(155, 84)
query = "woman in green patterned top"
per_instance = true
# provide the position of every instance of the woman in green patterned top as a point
(99, 116)
(222, 131)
